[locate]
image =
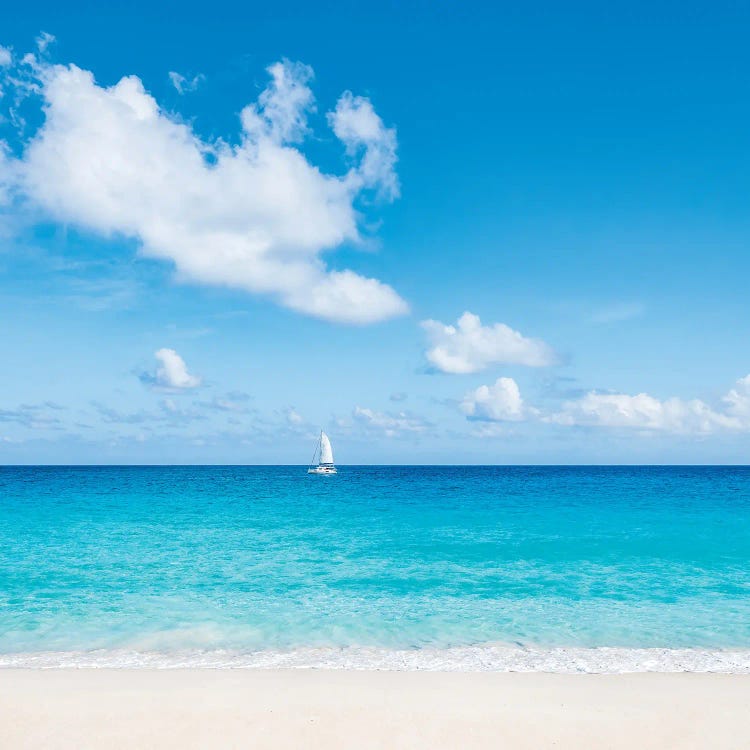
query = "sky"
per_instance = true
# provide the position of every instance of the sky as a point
(443, 232)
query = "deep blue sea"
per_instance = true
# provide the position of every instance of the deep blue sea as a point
(587, 568)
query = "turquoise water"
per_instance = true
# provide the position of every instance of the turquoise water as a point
(191, 560)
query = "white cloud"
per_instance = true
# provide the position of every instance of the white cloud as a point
(6, 58)
(168, 414)
(357, 125)
(168, 404)
(500, 402)
(171, 372)
(183, 84)
(738, 400)
(256, 215)
(7, 173)
(293, 417)
(44, 40)
(391, 425)
(470, 347)
(645, 412)
(280, 113)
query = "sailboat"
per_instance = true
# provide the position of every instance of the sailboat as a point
(324, 452)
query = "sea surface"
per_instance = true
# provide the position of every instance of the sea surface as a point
(599, 569)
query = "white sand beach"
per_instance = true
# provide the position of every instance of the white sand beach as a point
(194, 708)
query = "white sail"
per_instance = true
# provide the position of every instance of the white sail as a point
(326, 452)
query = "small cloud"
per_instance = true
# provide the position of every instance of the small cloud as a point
(399, 396)
(173, 414)
(293, 417)
(169, 413)
(33, 416)
(44, 40)
(391, 425)
(360, 129)
(6, 57)
(113, 416)
(171, 373)
(169, 405)
(738, 400)
(184, 84)
(500, 402)
(470, 347)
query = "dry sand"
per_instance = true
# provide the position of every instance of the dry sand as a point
(193, 708)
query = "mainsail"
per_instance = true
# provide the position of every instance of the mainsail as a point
(326, 452)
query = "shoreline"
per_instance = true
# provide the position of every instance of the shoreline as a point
(498, 658)
(199, 708)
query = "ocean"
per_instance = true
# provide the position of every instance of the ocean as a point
(600, 569)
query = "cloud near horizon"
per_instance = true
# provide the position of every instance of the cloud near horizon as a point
(171, 373)
(389, 424)
(645, 412)
(674, 415)
(469, 346)
(502, 402)
(257, 215)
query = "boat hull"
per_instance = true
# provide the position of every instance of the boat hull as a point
(322, 470)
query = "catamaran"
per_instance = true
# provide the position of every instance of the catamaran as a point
(325, 457)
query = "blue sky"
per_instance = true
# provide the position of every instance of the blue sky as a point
(225, 252)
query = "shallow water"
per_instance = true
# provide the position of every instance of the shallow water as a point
(252, 565)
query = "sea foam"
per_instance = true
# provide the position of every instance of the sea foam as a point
(484, 658)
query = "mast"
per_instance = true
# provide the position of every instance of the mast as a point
(315, 452)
